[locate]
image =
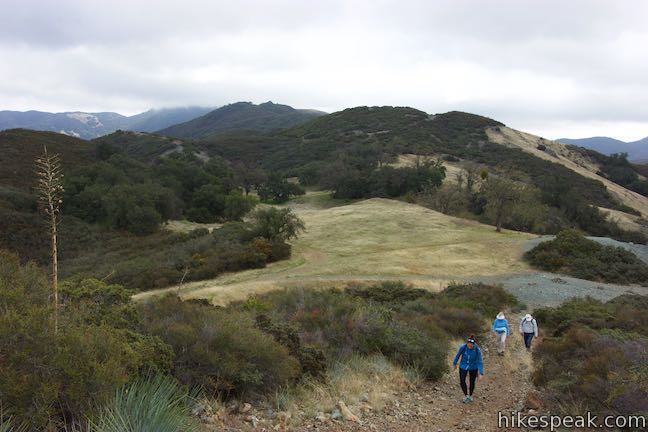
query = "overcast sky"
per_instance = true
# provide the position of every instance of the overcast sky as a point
(555, 68)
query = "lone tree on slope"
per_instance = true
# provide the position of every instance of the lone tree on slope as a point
(501, 195)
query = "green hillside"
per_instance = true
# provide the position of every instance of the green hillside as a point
(368, 135)
(365, 131)
(618, 169)
(144, 147)
(119, 192)
(20, 147)
(265, 117)
(351, 153)
(134, 182)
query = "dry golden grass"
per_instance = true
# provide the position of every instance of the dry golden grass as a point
(185, 226)
(357, 381)
(624, 220)
(568, 158)
(374, 240)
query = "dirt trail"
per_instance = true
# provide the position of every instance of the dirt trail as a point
(438, 406)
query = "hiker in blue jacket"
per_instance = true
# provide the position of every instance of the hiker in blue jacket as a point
(472, 362)
(501, 330)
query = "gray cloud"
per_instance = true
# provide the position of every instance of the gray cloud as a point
(550, 67)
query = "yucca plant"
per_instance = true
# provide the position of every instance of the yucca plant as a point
(50, 196)
(154, 404)
(9, 425)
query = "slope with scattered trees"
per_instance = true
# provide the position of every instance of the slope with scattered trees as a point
(349, 152)
(119, 192)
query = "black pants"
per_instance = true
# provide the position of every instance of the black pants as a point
(462, 380)
(528, 337)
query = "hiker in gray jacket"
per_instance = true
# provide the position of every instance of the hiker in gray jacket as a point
(528, 329)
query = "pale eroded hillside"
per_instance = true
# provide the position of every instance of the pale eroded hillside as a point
(560, 153)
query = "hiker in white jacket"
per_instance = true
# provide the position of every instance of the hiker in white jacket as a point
(528, 330)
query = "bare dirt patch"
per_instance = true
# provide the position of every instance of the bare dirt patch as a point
(185, 226)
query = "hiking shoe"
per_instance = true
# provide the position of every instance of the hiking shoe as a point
(466, 399)
(470, 398)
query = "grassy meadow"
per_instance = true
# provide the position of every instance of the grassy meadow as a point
(368, 241)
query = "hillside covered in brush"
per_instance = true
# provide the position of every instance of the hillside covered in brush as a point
(265, 117)
(120, 191)
(128, 185)
(354, 153)
(366, 137)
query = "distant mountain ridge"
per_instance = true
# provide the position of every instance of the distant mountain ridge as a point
(637, 150)
(265, 117)
(92, 125)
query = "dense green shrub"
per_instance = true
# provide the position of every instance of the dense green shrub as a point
(459, 309)
(408, 325)
(595, 355)
(238, 205)
(278, 190)
(600, 370)
(458, 321)
(219, 350)
(624, 313)
(351, 182)
(312, 360)
(573, 254)
(276, 225)
(418, 342)
(485, 299)
(411, 326)
(49, 378)
(125, 193)
(389, 292)
(166, 258)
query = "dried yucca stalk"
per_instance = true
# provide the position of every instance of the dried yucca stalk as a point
(50, 196)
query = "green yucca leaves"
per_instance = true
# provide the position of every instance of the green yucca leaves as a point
(155, 404)
(9, 425)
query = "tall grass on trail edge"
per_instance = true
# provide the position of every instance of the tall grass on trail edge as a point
(154, 404)
(9, 425)
(369, 379)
